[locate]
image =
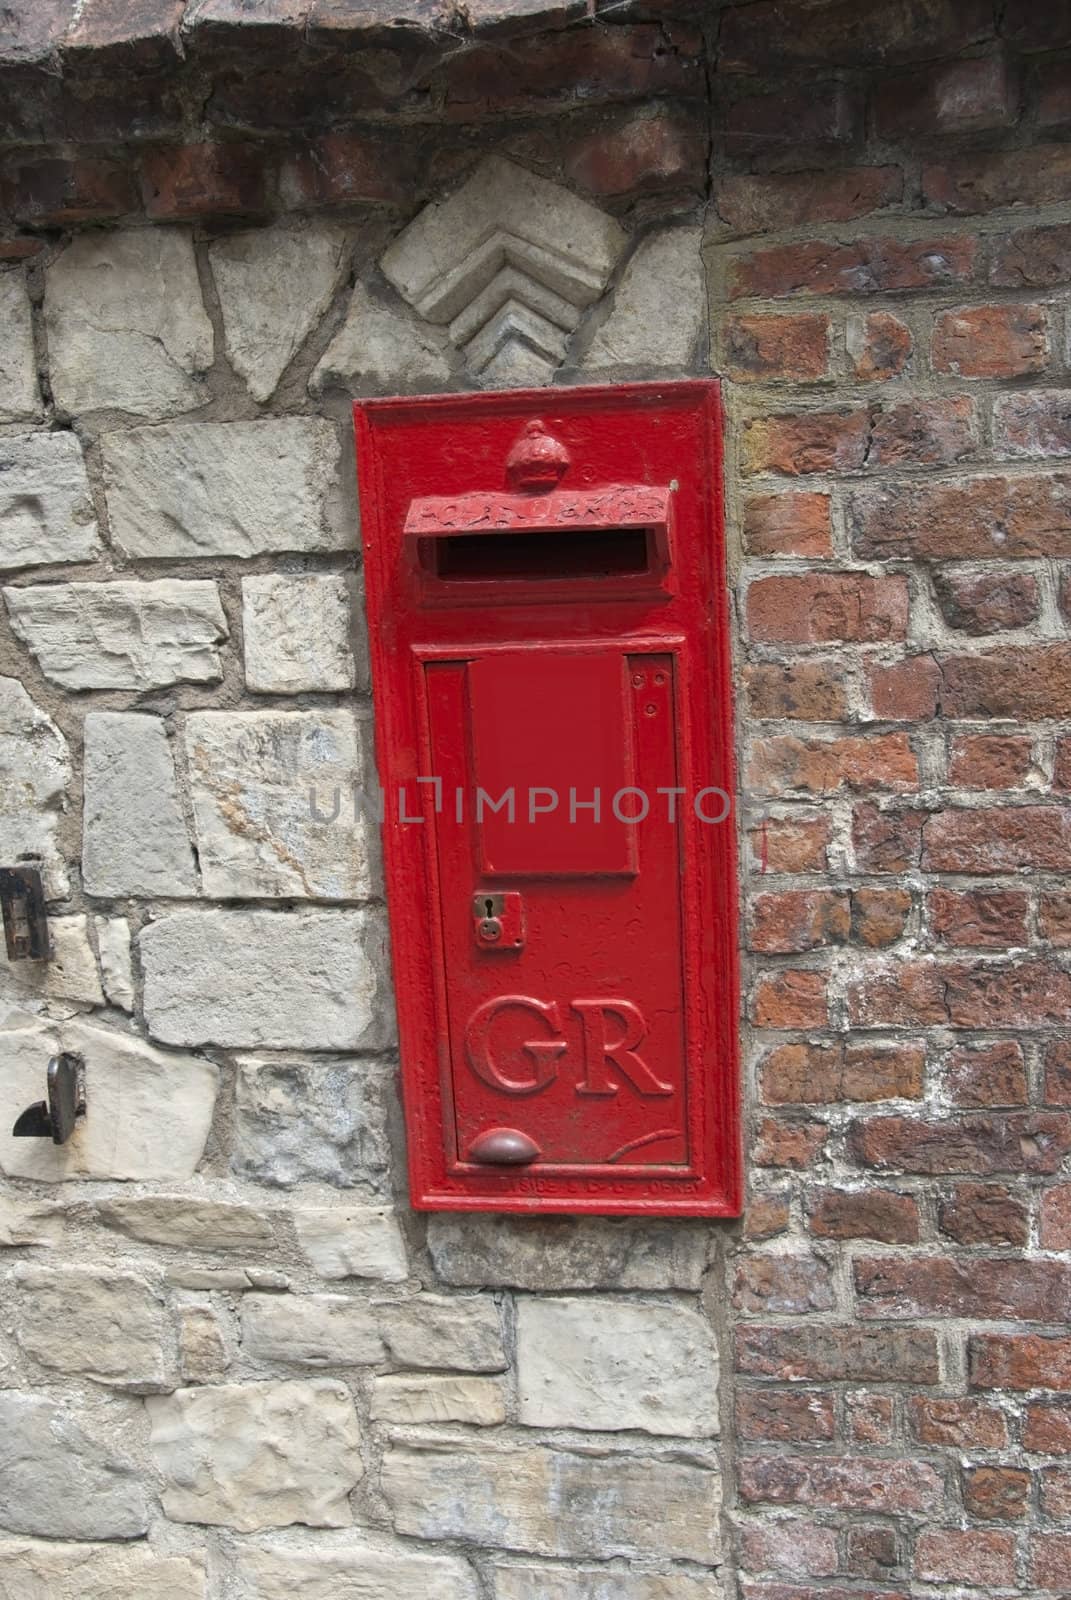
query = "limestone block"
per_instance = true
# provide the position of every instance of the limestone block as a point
(47, 1571)
(149, 1110)
(379, 345)
(311, 1330)
(303, 1120)
(257, 1455)
(127, 328)
(113, 949)
(552, 1502)
(296, 633)
(252, 776)
(224, 488)
(46, 513)
(28, 1222)
(463, 1332)
(71, 974)
(274, 285)
(348, 1571)
(407, 1399)
(657, 314)
(19, 395)
(352, 1242)
(516, 1582)
(121, 635)
(610, 1362)
(110, 1327)
(306, 979)
(35, 773)
(57, 1482)
(202, 1353)
(134, 835)
(567, 1252)
(185, 1223)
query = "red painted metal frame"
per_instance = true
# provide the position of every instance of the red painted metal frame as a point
(429, 465)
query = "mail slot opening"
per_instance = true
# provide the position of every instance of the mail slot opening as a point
(535, 554)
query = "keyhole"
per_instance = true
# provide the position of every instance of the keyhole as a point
(489, 907)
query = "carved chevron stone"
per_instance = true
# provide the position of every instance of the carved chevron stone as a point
(509, 263)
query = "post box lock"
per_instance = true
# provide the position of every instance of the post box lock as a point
(548, 614)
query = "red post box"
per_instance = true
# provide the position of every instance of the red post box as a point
(547, 610)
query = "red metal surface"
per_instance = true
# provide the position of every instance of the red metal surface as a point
(547, 609)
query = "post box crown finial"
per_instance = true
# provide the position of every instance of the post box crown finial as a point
(537, 461)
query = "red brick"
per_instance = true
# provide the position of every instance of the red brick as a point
(644, 154)
(1054, 919)
(997, 839)
(959, 96)
(998, 341)
(793, 1591)
(783, 763)
(986, 602)
(1009, 518)
(887, 840)
(350, 167)
(839, 1483)
(905, 691)
(793, 920)
(923, 433)
(960, 1424)
(1023, 682)
(1019, 1361)
(978, 1287)
(755, 203)
(979, 1075)
(1032, 994)
(879, 345)
(784, 1416)
(1036, 425)
(1050, 1561)
(990, 760)
(880, 1214)
(782, 1285)
(791, 1545)
(792, 1145)
(204, 180)
(822, 1074)
(820, 114)
(946, 1555)
(1042, 25)
(790, 998)
(20, 249)
(55, 193)
(869, 1418)
(759, 348)
(812, 441)
(788, 525)
(867, 266)
(984, 1213)
(1061, 771)
(1056, 1492)
(1047, 1429)
(805, 691)
(879, 916)
(904, 995)
(796, 844)
(767, 1215)
(819, 607)
(987, 180)
(1058, 1073)
(870, 1550)
(1034, 1142)
(1055, 1212)
(979, 918)
(825, 1352)
(996, 1494)
(848, 32)
(1033, 258)
(1054, 94)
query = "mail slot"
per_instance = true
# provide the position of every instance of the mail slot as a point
(547, 611)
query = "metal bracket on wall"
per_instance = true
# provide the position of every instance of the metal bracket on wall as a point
(22, 900)
(55, 1117)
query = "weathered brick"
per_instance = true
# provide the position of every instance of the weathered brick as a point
(878, 265)
(782, 1285)
(821, 114)
(1047, 1428)
(792, 1416)
(794, 920)
(791, 998)
(790, 1544)
(960, 1424)
(879, 345)
(823, 1074)
(887, 840)
(795, 1591)
(1061, 767)
(905, 691)
(989, 760)
(806, 691)
(984, 1213)
(810, 441)
(943, 1286)
(818, 607)
(871, 1550)
(54, 193)
(1033, 258)
(783, 763)
(980, 918)
(986, 602)
(849, 1483)
(1056, 1493)
(905, 995)
(880, 1214)
(1036, 425)
(788, 525)
(665, 149)
(923, 433)
(768, 1214)
(996, 1494)
(1054, 94)
(791, 844)
(987, 180)
(1054, 919)
(1050, 1561)
(879, 916)
(204, 180)
(754, 203)
(1055, 1215)
(791, 1145)
(1033, 994)
(763, 348)
(869, 1418)
(947, 1555)
(1058, 1073)
(825, 1352)
(978, 1075)
(1023, 682)
(1041, 26)
(848, 32)
(996, 341)
(351, 166)
(1034, 1142)
(997, 839)
(1019, 1361)
(957, 97)
(1010, 518)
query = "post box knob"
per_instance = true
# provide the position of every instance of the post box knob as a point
(504, 1147)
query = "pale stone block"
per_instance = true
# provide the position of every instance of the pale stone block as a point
(20, 396)
(515, 1582)
(297, 634)
(113, 949)
(274, 285)
(226, 1280)
(48, 1571)
(568, 1252)
(121, 635)
(149, 1111)
(312, 980)
(608, 1363)
(257, 1455)
(553, 1502)
(352, 1242)
(46, 512)
(348, 1571)
(186, 1223)
(379, 344)
(28, 1222)
(303, 1120)
(71, 974)
(127, 328)
(202, 1353)
(311, 1330)
(57, 1482)
(252, 776)
(108, 1327)
(225, 488)
(433, 1331)
(408, 1399)
(657, 314)
(134, 834)
(35, 774)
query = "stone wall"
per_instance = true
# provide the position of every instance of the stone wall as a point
(232, 1361)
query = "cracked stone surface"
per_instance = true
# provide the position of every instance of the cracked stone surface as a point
(380, 344)
(35, 777)
(304, 1120)
(46, 512)
(657, 313)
